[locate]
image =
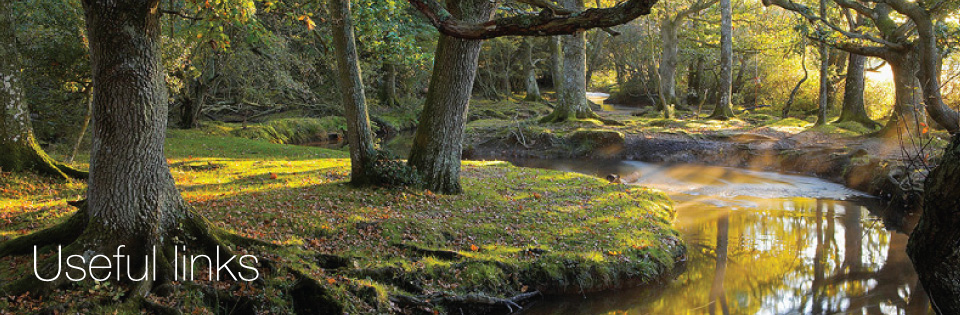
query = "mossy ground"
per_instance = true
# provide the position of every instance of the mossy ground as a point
(513, 230)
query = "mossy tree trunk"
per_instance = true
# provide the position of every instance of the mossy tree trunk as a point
(388, 85)
(934, 245)
(908, 114)
(132, 200)
(556, 66)
(853, 107)
(21, 152)
(574, 103)
(724, 109)
(437, 144)
(359, 134)
(824, 75)
(530, 71)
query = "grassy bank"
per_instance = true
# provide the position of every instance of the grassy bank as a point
(513, 231)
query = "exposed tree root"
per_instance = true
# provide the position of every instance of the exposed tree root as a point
(558, 116)
(60, 234)
(193, 231)
(29, 156)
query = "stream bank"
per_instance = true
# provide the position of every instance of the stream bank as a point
(839, 153)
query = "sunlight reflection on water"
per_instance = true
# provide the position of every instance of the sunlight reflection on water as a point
(763, 243)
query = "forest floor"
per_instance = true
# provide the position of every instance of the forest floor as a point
(846, 152)
(513, 232)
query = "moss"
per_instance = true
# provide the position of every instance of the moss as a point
(513, 229)
(284, 131)
(788, 122)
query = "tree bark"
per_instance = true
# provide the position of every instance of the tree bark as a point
(359, 134)
(724, 110)
(530, 70)
(594, 59)
(21, 152)
(556, 66)
(437, 144)
(934, 245)
(907, 115)
(668, 63)
(388, 85)
(853, 108)
(574, 103)
(132, 200)
(824, 75)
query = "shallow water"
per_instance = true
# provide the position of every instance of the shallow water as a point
(762, 243)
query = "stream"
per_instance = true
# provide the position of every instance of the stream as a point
(762, 242)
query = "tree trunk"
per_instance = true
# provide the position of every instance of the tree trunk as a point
(853, 108)
(594, 59)
(907, 115)
(388, 87)
(359, 134)
(133, 205)
(930, 60)
(83, 127)
(824, 75)
(132, 197)
(556, 66)
(934, 245)
(530, 69)
(796, 88)
(21, 152)
(438, 141)
(695, 82)
(724, 110)
(574, 104)
(668, 63)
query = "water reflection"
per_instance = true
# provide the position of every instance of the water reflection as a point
(764, 243)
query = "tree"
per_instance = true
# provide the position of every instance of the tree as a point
(437, 144)
(891, 42)
(574, 103)
(359, 134)
(556, 66)
(20, 149)
(853, 107)
(933, 245)
(824, 75)
(530, 72)
(724, 110)
(669, 28)
(132, 200)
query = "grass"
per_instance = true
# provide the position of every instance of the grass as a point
(513, 230)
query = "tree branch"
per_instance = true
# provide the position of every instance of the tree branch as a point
(808, 14)
(532, 25)
(547, 4)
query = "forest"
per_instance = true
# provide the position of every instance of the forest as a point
(479, 157)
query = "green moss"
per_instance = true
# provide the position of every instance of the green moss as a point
(283, 131)
(788, 122)
(512, 228)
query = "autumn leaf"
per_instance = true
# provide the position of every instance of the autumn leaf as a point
(308, 21)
